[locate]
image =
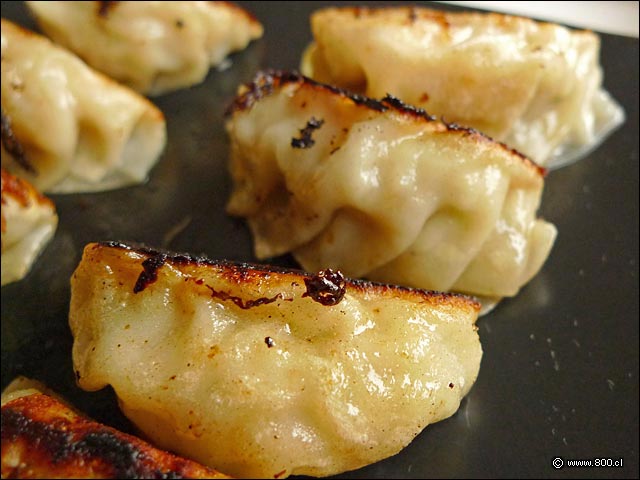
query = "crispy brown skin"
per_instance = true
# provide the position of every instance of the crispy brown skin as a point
(269, 82)
(22, 191)
(249, 274)
(43, 438)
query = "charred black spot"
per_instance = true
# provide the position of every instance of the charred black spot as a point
(239, 268)
(268, 82)
(122, 455)
(16, 425)
(371, 103)
(269, 341)
(327, 287)
(179, 23)
(238, 271)
(149, 273)
(305, 140)
(399, 105)
(62, 444)
(105, 7)
(12, 145)
(265, 83)
(64, 439)
(244, 304)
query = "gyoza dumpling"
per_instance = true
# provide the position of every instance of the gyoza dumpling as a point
(29, 220)
(535, 86)
(154, 47)
(383, 191)
(265, 372)
(44, 438)
(70, 128)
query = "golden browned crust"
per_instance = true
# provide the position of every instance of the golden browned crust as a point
(412, 13)
(268, 82)
(14, 187)
(21, 191)
(242, 273)
(43, 438)
(445, 19)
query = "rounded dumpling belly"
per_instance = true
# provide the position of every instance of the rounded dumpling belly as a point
(256, 372)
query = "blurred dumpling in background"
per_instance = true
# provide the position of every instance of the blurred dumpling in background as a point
(535, 86)
(67, 128)
(29, 221)
(153, 47)
(381, 190)
(263, 372)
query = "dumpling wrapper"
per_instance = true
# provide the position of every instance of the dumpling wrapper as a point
(43, 437)
(29, 221)
(380, 190)
(266, 372)
(67, 128)
(153, 47)
(535, 86)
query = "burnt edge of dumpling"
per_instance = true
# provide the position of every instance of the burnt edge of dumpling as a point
(12, 144)
(242, 272)
(22, 191)
(268, 82)
(55, 438)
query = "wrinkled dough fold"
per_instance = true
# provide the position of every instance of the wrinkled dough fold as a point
(152, 47)
(382, 191)
(535, 86)
(74, 129)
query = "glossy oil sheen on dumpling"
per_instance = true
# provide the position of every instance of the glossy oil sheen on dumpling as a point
(29, 221)
(265, 372)
(535, 86)
(381, 190)
(153, 47)
(67, 128)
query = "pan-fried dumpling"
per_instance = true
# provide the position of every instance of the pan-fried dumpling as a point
(29, 221)
(44, 438)
(265, 372)
(67, 128)
(153, 47)
(381, 190)
(535, 86)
